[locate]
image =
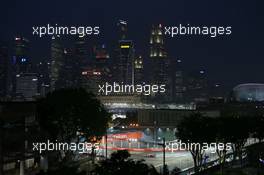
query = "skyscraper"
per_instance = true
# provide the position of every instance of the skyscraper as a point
(57, 62)
(83, 61)
(158, 59)
(117, 61)
(43, 71)
(21, 60)
(27, 86)
(24, 79)
(125, 62)
(71, 70)
(138, 70)
(178, 87)
(122, 30)
(102, 62)
(197, 86)
(98, 72)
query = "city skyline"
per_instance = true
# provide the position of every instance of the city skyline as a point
(131, 87)
(197, 52)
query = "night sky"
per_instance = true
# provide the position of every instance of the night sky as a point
(230, 60)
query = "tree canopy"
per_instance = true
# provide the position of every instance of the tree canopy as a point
(65, 112)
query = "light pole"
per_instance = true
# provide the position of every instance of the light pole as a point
(163, 144)
(155, 133)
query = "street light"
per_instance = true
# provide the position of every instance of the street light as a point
(163, 144)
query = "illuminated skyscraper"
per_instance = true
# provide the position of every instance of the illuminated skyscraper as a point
(21, 61)
(117, 61)
(122, 30)
(158, 58)
(24, 79)
(178, 81)
(125, 62)
(43, 70)
(27, 86)
(98, 71)
(83, 62)
(157, 48)
(71, 70)
(197, 86)
(57, 62)
(102, 62)
(138, 70)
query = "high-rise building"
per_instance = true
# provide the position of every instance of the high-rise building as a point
(122, 30)
(84, 61)
(125, 62)
(157, 47)
(98, 72)
(71, 70)
(24, 79)
(21, 60)
(3, 71)
(197, 86)
(57, 62)
(43, 71)
(178, 87)
(27, 86)
(102, 62)
(158, 60)
(138, 70)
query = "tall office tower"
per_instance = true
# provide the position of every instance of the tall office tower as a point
(43, 71)
(138, 70)
(82, 58)
(4, 64)
(102, 62)
(122, 30)
(21, 61)
(178, 81)
(27, 86)
(197, 86)
(57, 62)
(125, 62)
(122, 34)
(98, 72)
(25, 80)
(71, 70)
(158, 58)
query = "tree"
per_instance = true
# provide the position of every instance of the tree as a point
(257, 127)
(194, 130)
(238, 128)
(176, 171)
(66, 112)
(120, 164)
(223, 128)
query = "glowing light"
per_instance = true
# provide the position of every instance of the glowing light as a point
(84, 73)
(122, 22)
(125, 46)
(96, 73)
(23, 60)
